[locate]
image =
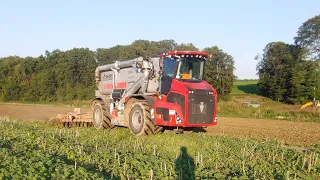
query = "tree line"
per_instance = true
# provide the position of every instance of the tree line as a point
(69, 75)
(289, 72)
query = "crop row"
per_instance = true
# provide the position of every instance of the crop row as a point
(36, 150)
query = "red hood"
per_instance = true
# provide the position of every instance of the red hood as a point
(200, 85)
(187, 86)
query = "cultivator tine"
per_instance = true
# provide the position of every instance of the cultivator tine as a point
(75, 119)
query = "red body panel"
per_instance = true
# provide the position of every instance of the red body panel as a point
(180, 88)
(172, 122)
(121, 85)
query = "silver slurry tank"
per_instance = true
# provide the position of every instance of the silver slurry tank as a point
(126, 74)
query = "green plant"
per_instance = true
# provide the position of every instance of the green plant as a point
(265, 111)
(35, 150)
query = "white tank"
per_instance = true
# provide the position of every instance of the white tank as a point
(124, 75)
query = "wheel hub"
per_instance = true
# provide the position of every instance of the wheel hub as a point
(97, 116)
(136, 119)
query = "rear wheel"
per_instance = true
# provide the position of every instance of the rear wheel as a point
(140, 120)
(101, 116)
(127, 110)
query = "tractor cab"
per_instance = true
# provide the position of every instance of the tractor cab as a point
(187, 66)
(186, 99)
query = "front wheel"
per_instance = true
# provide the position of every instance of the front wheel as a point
(140, 120)
(101, 117)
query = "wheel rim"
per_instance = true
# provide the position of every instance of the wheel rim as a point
(136, 119)
(97, 117)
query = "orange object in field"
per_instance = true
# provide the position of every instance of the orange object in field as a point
(185, 76)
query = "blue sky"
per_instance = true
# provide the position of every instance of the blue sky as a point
(240, 28)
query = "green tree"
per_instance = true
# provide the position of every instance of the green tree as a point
(308, 36)
(220, 71)
(272, 70)
(296, 76)
(285, 76)
(145, 48)
(68, 75)
(166, 45)
(186, 47)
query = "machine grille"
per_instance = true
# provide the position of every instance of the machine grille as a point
(201, 107)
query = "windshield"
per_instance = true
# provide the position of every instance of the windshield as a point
(190, 69)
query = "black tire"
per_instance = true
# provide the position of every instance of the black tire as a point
(127, 110)
(100, 116)
(140, 120)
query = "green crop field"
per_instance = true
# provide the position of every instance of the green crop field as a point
(245, 87)
(247, 91)
(41, 151)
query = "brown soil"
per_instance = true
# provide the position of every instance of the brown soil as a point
(295, 132)
(33, 112)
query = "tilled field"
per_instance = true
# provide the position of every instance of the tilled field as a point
(33, 112)
(294, 132)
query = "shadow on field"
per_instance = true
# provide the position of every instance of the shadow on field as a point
(249, 89)
(172, 130)
(184, 165)
(195, 130)
(199, 130)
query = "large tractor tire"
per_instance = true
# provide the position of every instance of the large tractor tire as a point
(127, 110)
(101, 116)
(140, 120)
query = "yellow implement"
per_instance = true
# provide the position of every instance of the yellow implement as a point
(312, 103)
